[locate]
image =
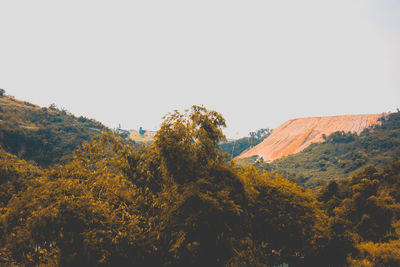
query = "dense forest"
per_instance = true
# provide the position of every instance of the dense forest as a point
(181, 201)
(342, 154)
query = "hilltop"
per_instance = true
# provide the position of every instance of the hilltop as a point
(295, 135)
(45, 135)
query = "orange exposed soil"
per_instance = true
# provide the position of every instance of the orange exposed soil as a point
(295, 135)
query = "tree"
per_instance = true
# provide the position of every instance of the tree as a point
(203, 219)
(286, 221)
(188, 143)
(173, 203)
(83, 213)
(2, 92)
(258, 136)
(180, 202)
(141, 131)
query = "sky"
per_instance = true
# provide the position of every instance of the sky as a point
(258, 63)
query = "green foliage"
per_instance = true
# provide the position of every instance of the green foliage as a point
(175, 202)
(179, 202)
(368, 204)
(377, 254)
(84, 213)
(236, 147)
(366, 208)
(343, 154)
(202, 200)
(15, 176)
(287, 222)
(44, 135)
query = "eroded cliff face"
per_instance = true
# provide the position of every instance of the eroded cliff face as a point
(295, 135)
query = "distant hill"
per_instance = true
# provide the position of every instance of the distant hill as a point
(342, 154)
(295, 135)
(141, 136)
(44, 135)
(235, 147)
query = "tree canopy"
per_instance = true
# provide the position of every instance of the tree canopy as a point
(180, 202)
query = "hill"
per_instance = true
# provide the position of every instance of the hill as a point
(177, 202)
(44, 135)
(141, 136)
(343, 154)
(295, 135)
(174, 202)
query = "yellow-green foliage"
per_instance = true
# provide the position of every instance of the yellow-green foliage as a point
(377, 254)
(366, 208)
(285, 219)
(15, 175)
(85, 211)
(45, 135)
(177, 202)
(236, 147)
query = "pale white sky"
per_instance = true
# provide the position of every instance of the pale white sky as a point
(259, 63)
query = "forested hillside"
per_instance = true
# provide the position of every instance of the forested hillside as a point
(342, 154)
(180, 202)
(44, 135)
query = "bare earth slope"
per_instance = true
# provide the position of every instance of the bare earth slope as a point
(295, 135)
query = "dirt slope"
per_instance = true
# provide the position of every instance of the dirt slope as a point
(295, 135)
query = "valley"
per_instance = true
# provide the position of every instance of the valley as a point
(321, 191)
